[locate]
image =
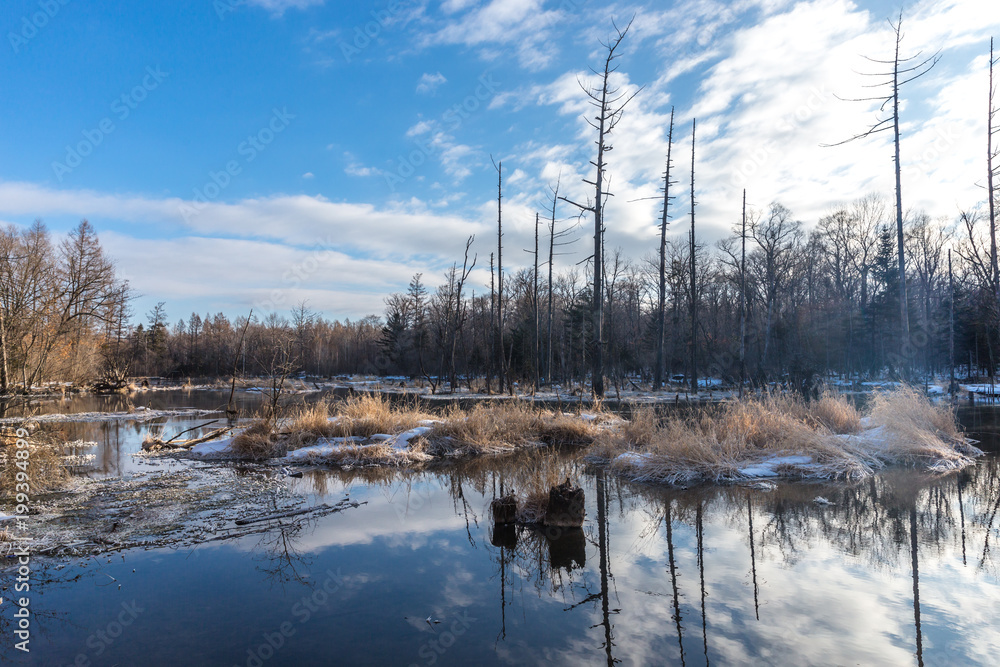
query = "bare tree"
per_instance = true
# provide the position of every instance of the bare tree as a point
(908, 69)
(694, 286)
(661, 313)
(777, 237)
(610, 102)
(743, 296)
(459, 311)
(501, 356)
(991, 155)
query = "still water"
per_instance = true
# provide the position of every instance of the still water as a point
(900, 569)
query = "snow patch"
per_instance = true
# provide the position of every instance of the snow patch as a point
(767, 467)
(214, 449)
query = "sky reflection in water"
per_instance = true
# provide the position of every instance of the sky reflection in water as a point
(896, 571)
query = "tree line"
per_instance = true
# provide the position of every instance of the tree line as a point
(869, 290)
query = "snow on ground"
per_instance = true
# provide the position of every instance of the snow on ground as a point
(214, 449)
(983, 387)
(768, 467)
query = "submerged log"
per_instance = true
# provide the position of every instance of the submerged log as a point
(566, 506)
(504, 510)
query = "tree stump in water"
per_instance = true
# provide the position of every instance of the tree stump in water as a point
(504, 535)
(504, 510)
(567, 548)
(566, 506)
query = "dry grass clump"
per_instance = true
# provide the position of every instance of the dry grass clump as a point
(377, 454)
(780, 435)
(532, 492)
(917, 431)
(370, 414)
(489, 428)
(257, 442)
(492, 428)
(836, 414)
(308, 425)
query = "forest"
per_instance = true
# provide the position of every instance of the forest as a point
(869, 290)
(820, 298)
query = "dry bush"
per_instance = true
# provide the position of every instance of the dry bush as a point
(561, 430)
(491, 428)
(771, 423)
(367, 415)
(918, 431)
(718, 444)
(308, 425)
(488, 428)
(836, 413)
(257, 442)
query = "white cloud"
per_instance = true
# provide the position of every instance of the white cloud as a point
(308, 175)
(278, 7)
(765, 104)
(524, 25)
(430, 82)
(242, 251)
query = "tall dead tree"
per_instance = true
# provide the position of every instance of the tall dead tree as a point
(501, 357)
(694, 280)
(552, 249)
(534, 303)
(610, 102)
(951, 329)
(904, 70)
(661, 313)
(991, 155)
(743, 296)
(459, 313)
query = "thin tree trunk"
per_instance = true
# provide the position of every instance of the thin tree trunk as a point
(743, 297)
(597, 302)
(694, 294)
(662, 302)
(904, 320)
(951, 328)
(989, 180)
(502, 370)
(535, 304)
(552, 247)
(4, 380)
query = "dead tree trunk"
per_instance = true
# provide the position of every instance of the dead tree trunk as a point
(991, 173)
(534, 300)
(743, 297)
(694, 282)
(661, 313)
(901, 69)
(610, 102)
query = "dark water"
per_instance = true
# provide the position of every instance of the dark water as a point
(900, 569)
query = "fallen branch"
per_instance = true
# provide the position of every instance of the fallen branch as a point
(282, 515)
(188, 430)
(154, 445)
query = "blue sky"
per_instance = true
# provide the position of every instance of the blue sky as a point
(257, 153)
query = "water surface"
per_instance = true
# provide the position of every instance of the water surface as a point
(899, 569)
